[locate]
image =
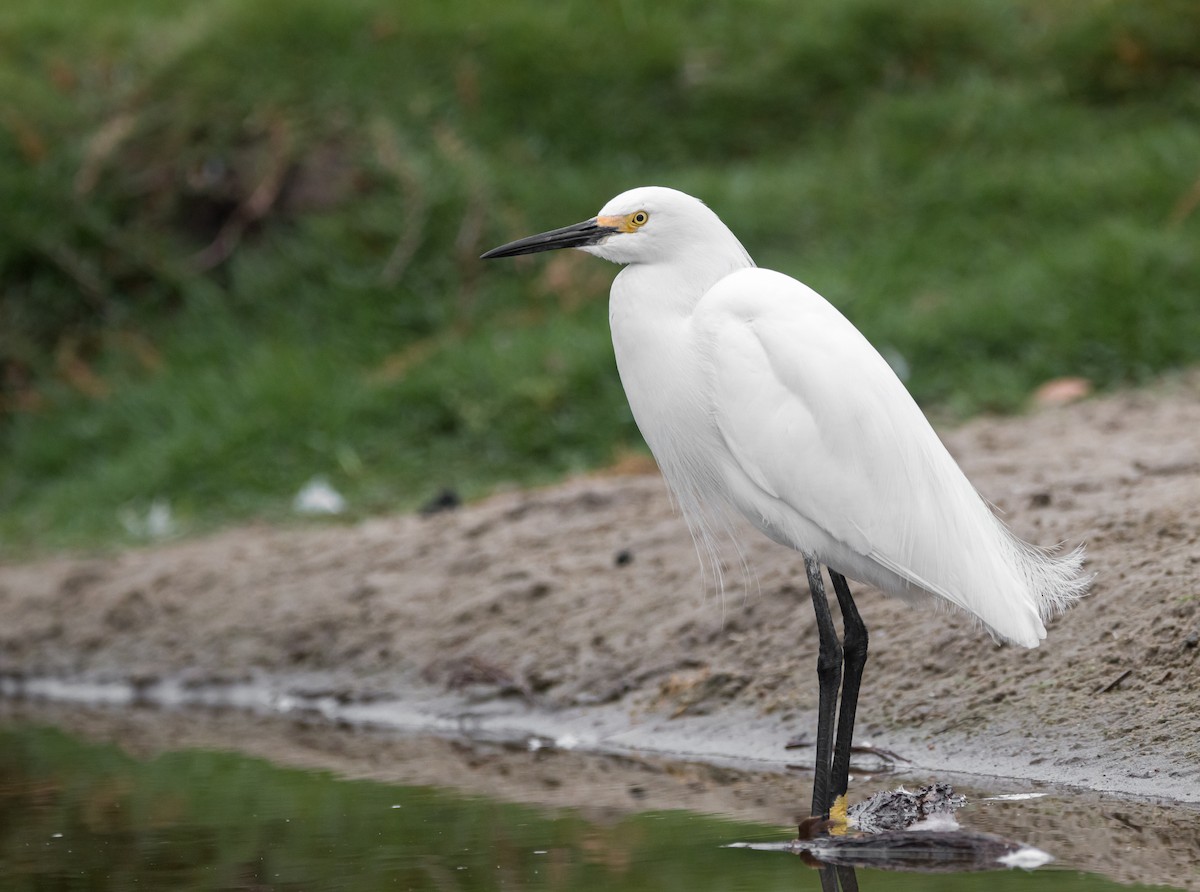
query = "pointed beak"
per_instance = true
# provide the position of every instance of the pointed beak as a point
(589, 232)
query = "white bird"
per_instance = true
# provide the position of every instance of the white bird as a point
(757, 396)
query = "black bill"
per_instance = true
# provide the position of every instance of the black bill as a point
(589, 232)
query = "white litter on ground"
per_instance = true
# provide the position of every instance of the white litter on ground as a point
(318, 497)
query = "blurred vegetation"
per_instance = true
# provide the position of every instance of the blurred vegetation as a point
(238, 240)
(83, 816)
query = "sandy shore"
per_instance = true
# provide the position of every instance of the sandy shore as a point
(583, 606)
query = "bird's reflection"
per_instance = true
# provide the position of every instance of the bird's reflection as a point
(926, 851)
(835, 877)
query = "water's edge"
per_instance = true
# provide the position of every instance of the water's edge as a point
(727, 738)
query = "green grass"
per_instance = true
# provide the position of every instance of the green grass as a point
(238, 245)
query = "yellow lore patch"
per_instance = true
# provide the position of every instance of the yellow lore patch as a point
(628, 223)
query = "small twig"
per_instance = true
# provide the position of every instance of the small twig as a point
(257, 204)
(861, 749)
(880, 752)
(1185, 206)
(392, 157)
(958, 723)
(1104, 689)
(100, 147)
(1122, 819)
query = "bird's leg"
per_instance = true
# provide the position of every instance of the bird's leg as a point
(829, 676)
(854, 650)
(838, 878)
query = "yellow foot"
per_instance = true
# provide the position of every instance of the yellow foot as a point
(839, 822)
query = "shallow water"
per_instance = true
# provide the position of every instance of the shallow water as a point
(76, 814)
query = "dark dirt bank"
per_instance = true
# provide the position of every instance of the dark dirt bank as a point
(587, 598)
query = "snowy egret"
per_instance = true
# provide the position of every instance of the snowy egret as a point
(758, 397)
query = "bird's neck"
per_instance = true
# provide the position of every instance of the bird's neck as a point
(675, 286)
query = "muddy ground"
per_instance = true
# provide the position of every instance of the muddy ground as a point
(582, 606)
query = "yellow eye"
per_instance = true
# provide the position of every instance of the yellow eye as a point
(639, 219)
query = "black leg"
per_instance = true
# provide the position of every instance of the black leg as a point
(854, 650)
(835, 877)
(829, 676)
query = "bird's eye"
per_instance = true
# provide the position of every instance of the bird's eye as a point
(639, 219)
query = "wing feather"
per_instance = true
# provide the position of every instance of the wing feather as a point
(831, 448)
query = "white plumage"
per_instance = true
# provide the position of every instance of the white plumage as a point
(752, 389)
(757, 396)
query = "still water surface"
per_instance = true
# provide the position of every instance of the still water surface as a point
(77, 815)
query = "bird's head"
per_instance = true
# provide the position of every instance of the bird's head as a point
(644, 225)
